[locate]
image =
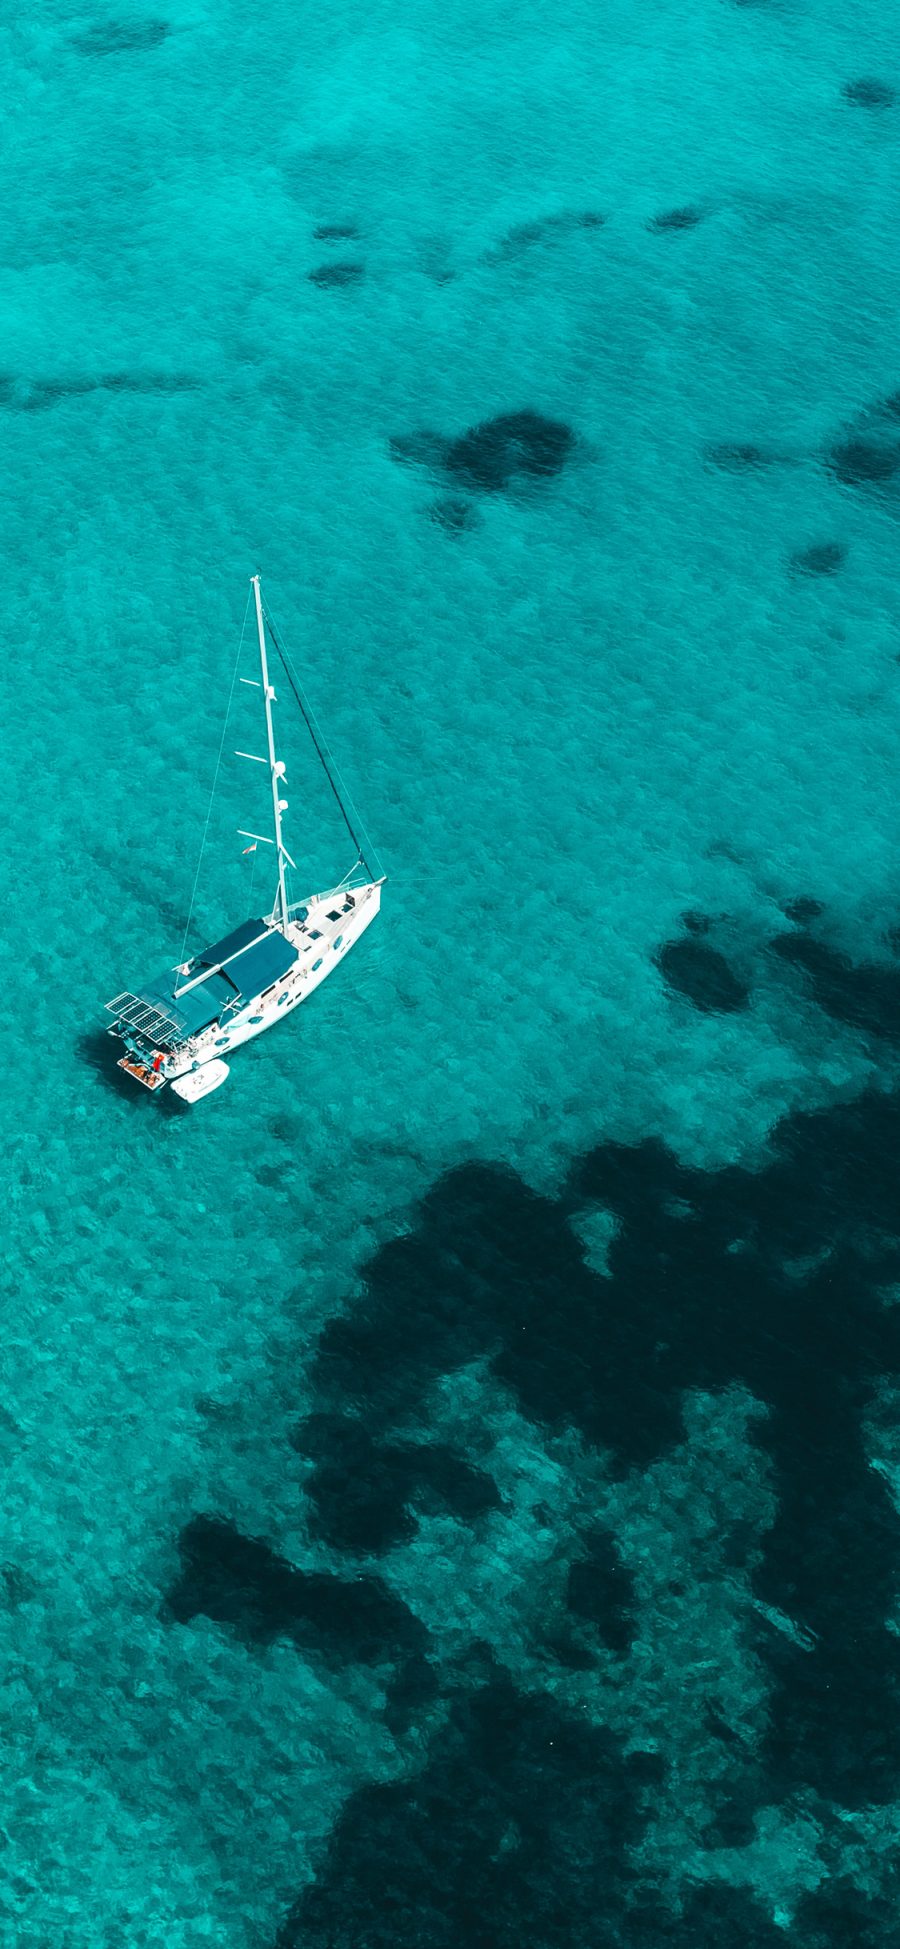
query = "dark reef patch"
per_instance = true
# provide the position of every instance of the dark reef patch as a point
(494, 1272)
(415, 1685)
(17, 1586)
(869, 92)
(147, 382)
(866, 454)
(244, 1584)
(508, 450)
(491, 1267)
(36, 395)
(600, 1592)
(822, 558)
(703, 976)
(734, 1822)
(496, 456)
(715, 1914)
(516, 1830)
(333, 233)
(812, 1350)
(456, 516)
(802, 910)
(18, 395)
(543, 230)
(273, 1175)
(337, 275)
(685, 218)
(365, 1494)
(863, 462)
(839, 1912)
(122, 37)
(865, 996)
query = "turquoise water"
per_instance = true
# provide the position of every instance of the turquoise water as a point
(448, 1475)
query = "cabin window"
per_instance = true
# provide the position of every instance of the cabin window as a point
(336, 944)
(317, 964)
(222, 1042)
(335, 915)
(314, 934)
(255, 1018)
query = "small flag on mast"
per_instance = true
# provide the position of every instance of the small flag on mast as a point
(248, 849)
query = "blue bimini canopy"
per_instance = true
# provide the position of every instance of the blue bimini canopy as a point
(251, 930)
(191, 1012)
(252, 957)
(261, 964)
(176, 1006)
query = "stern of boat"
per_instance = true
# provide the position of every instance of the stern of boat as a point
(142, 1072)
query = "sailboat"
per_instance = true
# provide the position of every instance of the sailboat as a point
(178, 1028)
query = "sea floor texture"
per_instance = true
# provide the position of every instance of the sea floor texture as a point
(451, 1476)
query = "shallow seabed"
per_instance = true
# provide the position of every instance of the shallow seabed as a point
(450, 1475)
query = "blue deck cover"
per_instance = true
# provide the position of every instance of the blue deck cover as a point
(266, 956)
(191, 1012)
(250, 930)
(261, 964)
(256, 955)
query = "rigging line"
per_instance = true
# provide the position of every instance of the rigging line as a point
(216, 777)
(323, 760)
(316, 736)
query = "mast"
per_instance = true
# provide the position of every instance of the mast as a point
(276, 770)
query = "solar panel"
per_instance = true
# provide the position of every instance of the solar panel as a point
(143, 1017)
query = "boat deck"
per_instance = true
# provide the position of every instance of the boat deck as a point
(149, 1077)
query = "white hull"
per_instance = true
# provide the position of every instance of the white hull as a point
(321, 941)
(201, 1082)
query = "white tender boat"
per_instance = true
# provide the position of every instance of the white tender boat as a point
(200, 1082)
(179, 1027)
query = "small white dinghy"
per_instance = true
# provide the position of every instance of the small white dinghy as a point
(201, 1082)
(177, 1026)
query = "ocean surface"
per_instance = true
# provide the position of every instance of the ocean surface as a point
(451, 1476)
